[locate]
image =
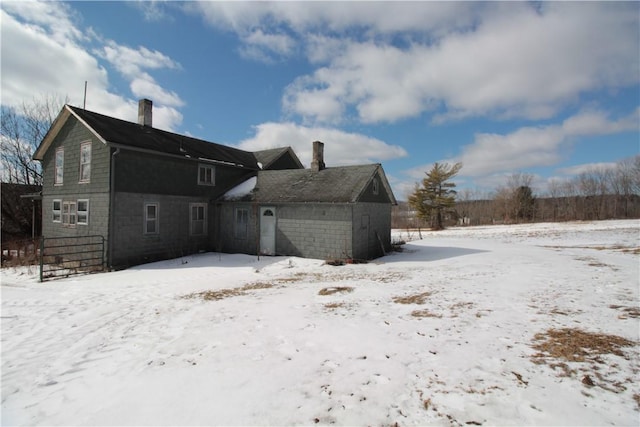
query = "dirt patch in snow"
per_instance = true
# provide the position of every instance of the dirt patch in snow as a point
(335, 290)
(589, 353)
(382, 277)
(626, 311)
(424, 313)
(413, 299)
(218, 294)
(575, 345)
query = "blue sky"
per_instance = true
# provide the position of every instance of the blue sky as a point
(544, 88)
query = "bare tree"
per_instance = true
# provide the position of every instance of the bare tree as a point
(593, 186)
(21, 131)
(515, 202)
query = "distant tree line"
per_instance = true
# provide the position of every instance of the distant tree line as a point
(598, 193)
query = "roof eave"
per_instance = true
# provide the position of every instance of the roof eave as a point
(385, 183)
(55, 128)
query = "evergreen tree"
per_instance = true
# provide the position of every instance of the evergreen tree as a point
(525, 203)
(437, 195)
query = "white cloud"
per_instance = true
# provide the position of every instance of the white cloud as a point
(24, 77)
(49, 33)
(152, 10)
(341, 148)
(586, 168)
(301, 17)
(389, 61)
(132, 63)
(493, 156)
(267, 47)
(58, 20)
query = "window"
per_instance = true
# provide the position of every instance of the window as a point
(151, 218)
(242, 222)
(206, 175)
(68, 214)
(83, 212)
(376, 186)
(57, 211)
(85, 161)
(198, 223)
(59, 167)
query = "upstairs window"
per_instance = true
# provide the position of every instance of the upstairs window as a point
(242, 222)
(206, 175)
(151, 218)
(83, 212)
(85, 161)
(376, 186)
(59, 167)
(198, 219)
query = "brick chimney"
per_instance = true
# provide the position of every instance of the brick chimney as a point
(317, 163)
(145, 107)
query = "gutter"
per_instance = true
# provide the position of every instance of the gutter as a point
(112, 199)
(183, 156)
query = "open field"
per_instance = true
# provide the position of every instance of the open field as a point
(529, 324)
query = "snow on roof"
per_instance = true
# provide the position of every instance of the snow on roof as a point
(241, 190)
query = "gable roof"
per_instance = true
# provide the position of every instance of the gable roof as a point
(331, 185)
(269, 157)
(131, 135)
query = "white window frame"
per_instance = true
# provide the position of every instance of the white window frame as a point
(69, 214)
(56, 214)
(193, 223)
(58, 167)
(82, 216)
(206, 175)
(241, 229)
(376, 186)
(148, 220)
(85, 167)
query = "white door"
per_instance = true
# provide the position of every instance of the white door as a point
(267, 231)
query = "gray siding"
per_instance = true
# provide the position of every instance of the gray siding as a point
(132, 246)
(96, 191)
(371, 226)
(370, 196)
(225, 239)
(138, 172)
(284, 162)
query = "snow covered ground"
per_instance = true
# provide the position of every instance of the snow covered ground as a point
(503, 325)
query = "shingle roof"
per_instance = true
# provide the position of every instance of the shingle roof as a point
(131, 134)
(266, 157)
(331, 185)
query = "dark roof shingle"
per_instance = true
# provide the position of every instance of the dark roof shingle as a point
(331, 185)
(131, 134)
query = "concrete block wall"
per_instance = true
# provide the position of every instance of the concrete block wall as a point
(321, 231)
(366, 242)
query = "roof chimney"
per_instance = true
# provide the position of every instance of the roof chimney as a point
(144, 112)
(317, 163)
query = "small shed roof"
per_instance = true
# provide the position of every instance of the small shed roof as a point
(342, 184)
(268, 157)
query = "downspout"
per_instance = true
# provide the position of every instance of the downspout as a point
(112, 199)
